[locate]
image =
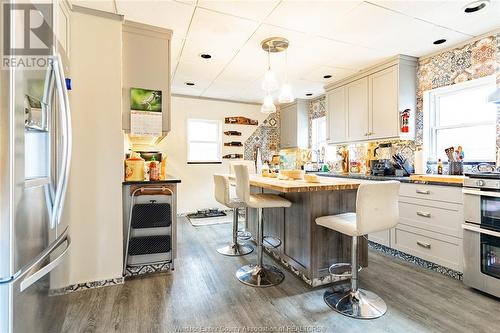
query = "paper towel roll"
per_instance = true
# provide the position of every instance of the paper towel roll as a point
(420, 162)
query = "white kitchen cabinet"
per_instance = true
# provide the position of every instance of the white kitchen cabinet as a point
(430, 224)
(336, 115)
(140, 40)
(294, 124)
(374, 99)
(357, 110)
(384, 104)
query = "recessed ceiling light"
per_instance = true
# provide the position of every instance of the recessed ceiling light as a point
(327, 76)
(439, 41)
(189, 83)
(205, 56)
(309, 94)
(476, 6)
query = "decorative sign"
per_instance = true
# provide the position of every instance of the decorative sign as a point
(240, 121)
(145, 112)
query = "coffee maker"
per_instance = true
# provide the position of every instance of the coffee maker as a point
(382, 164)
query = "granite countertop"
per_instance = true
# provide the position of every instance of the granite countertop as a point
(382, 178)
(169, 180)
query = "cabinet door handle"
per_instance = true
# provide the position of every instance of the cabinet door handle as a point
(423, 191)
(423, 214)
(424, 245)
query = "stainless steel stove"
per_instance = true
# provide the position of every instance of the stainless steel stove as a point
(481, 239)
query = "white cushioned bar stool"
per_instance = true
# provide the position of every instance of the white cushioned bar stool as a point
(258, 275)
(252, 169)
(222, 195)
(376, 210)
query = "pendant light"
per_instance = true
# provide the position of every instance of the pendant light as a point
(286, 94)
(270, 83)
(268, 106)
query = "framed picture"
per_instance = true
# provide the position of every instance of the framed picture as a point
(145, 100)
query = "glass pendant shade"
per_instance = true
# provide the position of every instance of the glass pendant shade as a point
(268, 106)
(269, 83)
(286, 95)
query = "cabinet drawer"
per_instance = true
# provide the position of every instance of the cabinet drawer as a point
(442, 250)
(380, 237)
(445, 218)
(432, 192)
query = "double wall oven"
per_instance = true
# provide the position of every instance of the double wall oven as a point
(481, 239)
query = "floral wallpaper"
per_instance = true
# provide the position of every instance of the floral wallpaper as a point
(317, 109)
(470, 61)
(266, 137)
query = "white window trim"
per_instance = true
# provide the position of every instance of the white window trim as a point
(430, 128)
(219, 141)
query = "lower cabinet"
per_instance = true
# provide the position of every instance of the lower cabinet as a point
(430, 225)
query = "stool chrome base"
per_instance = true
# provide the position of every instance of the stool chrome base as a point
(235, 250)
(256, 276)
(361, 304)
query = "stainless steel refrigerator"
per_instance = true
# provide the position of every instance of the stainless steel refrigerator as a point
(35, 158)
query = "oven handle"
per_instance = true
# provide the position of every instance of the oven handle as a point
(482, 193)
(480, 230)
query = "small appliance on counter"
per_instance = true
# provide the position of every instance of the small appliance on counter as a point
(382, 166)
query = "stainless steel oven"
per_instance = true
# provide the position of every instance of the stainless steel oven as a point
(481, 239)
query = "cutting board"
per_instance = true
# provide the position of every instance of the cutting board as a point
(438, 178)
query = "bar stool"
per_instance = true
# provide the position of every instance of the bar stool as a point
(252, 169)
(223, 196)
(258, 275)
(377, 209)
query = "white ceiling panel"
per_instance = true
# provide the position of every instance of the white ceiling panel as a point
(310, 16)
(249, 9)
(216, 34)
(162, 13)
(103, 5)
(449, 14)
(337, 73)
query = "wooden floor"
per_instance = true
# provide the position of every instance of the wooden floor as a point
(204, 293)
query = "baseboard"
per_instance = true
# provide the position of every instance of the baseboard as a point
(416, 260)
(86, 285)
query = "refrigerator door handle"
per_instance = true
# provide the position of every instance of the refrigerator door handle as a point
(64, 237)
(62, 183)
(69, 134)
(32, 277)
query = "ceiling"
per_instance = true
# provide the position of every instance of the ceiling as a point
(335, 38)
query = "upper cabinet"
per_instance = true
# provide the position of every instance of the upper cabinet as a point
(294, 125)
(146, 65)
(336, 116)
(369, 105)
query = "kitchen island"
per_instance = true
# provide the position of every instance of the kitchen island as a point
(307, 249)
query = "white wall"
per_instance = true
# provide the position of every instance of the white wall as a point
(196, 189)
(93, 206)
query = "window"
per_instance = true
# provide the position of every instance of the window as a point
(204, 141)
(461, 115)
(318, 133)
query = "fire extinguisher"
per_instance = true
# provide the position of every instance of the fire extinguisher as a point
(405, 120)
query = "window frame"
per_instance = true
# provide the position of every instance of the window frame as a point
(313, 139)
(218, 141)
(431, 113)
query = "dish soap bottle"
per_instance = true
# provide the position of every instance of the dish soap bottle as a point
(440, 167)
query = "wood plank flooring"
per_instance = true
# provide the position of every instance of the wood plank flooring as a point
(204, 293)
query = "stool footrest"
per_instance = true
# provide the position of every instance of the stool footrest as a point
(271, 242)
(244, 235)
(341, 269)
